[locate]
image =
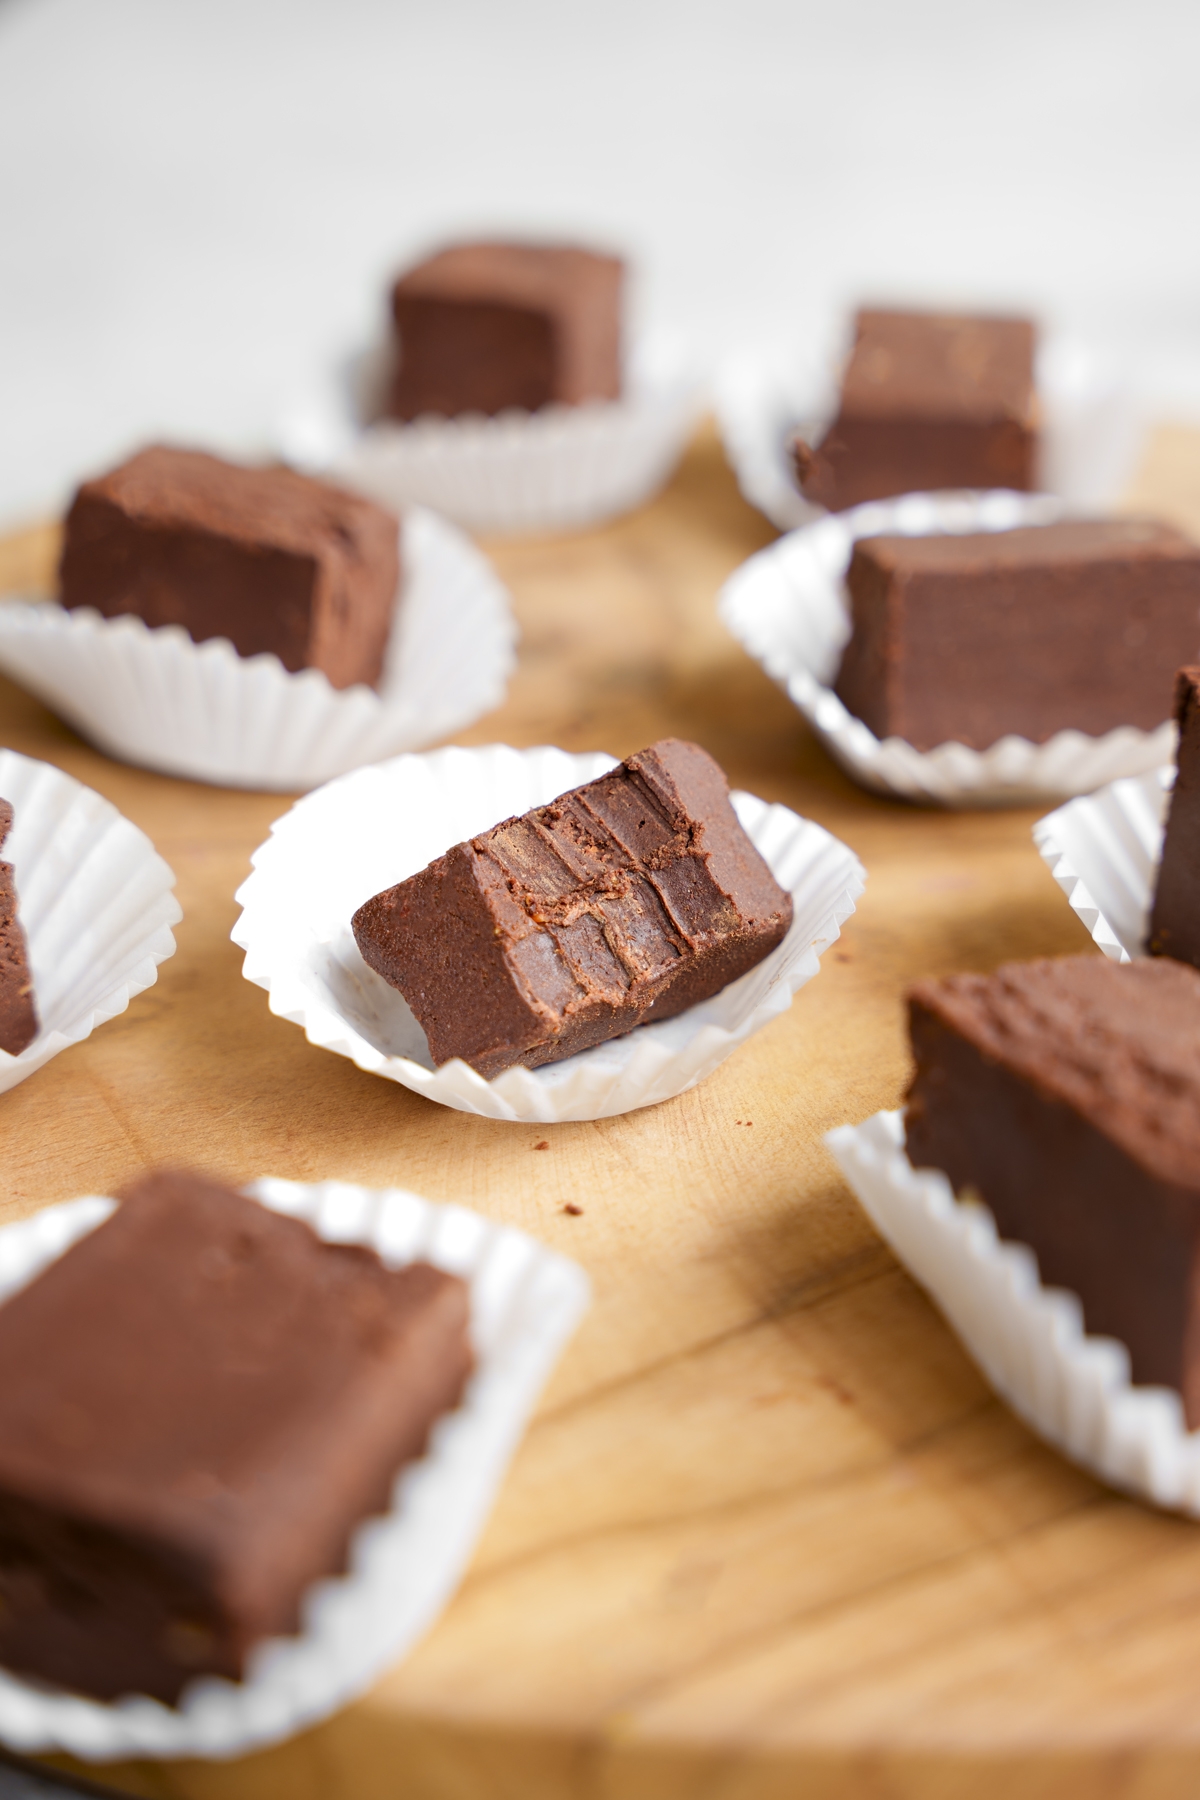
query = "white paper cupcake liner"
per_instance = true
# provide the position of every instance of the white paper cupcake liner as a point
(1091, 429)
(1104, 851)
(404, 1565)
(787, 606)
(95, 902)
(558, 469)
(155, 698)
(1029, 1340)
(381, 825)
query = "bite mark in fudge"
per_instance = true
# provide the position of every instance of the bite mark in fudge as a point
(928, 401)
(202, 1400)
(625, 901)
(1175, 916)
(272, 560)
(18, 1015)
(483, 327)
(969, 638)
(1066, 1094)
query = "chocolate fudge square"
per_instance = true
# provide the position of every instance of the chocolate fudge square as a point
(483, 327)
(201, 1402)
(1175, 915)
(272, 560)
(928, 401)
(18, 1016)
(970, 638)
(1066, 1094)
(623, 902)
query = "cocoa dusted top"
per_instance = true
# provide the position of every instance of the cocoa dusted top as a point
(1118, 1042)
(163, 485)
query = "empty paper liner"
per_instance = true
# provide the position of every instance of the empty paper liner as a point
(1104, 850)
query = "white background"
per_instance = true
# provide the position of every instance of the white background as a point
(200, 200)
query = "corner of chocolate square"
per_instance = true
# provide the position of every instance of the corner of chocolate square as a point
(1065, 1093)
(928, 401)
(274, 561)
(18, 1013)
(483, 327)
(203, 1401)
(623, 902)
(1175, 912)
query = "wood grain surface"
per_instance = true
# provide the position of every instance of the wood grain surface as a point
(770, 1533)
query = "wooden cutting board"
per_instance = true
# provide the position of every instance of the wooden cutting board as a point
(770, 1534)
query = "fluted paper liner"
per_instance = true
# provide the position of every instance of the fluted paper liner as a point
(95, 902)
(557, 469)
(404, 1565)
(155, 698)
(1090, 438)
(1071, 1388)
(787, 606)
(1104, 851)
(369, 830)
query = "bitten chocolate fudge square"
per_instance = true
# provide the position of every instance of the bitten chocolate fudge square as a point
(272, 560)
(623, 902)
(1066, 1094)
(18, 1015)
(1175, 915)
(482, 327)
(968, 638)
(201, 1401)
(928, 401)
